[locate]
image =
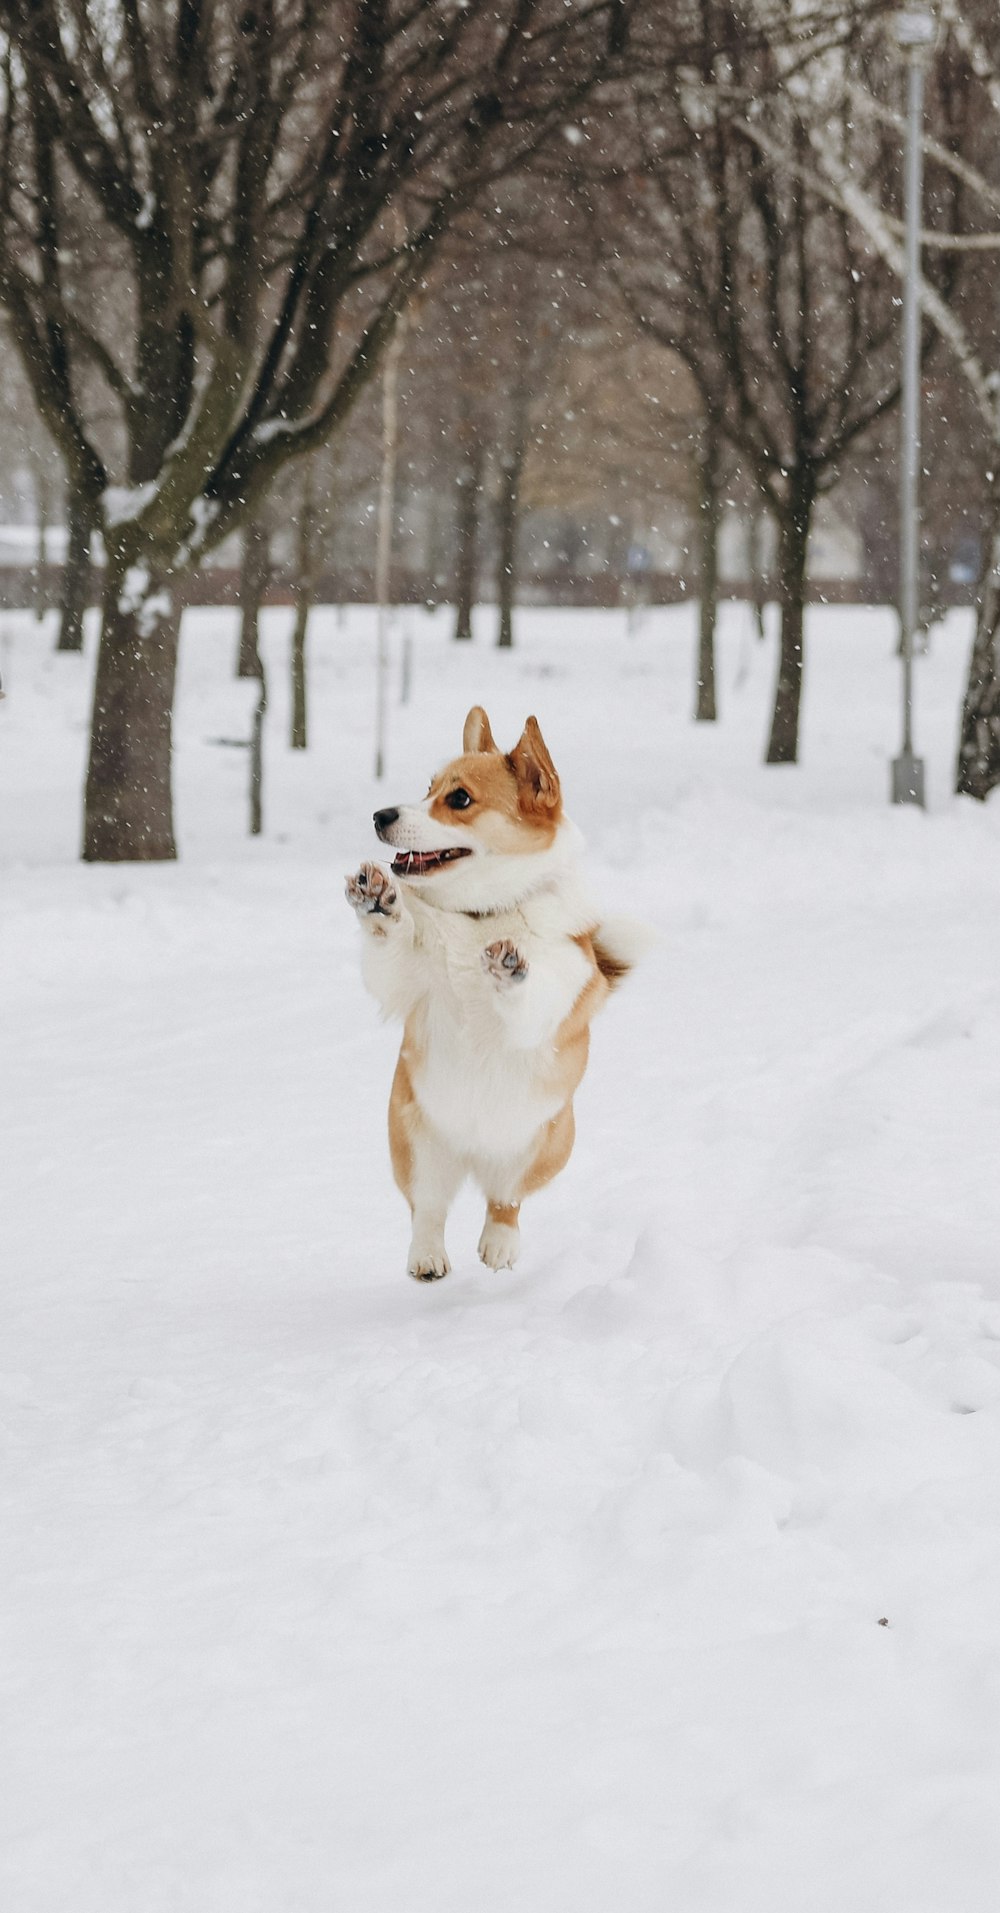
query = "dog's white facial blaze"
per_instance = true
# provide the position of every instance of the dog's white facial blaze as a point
(415, 829)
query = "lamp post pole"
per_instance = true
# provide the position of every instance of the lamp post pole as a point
(915, 35)
(383, 539)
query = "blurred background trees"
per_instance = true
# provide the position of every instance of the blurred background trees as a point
(649, 254)
(218, 210)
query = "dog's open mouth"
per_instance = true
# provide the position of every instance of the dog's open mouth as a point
(419, 863)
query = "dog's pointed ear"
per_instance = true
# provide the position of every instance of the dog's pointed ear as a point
(477, 735)
(536, 774)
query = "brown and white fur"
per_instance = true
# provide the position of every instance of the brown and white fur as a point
(483, 942)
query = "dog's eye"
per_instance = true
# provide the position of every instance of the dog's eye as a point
(458, 799)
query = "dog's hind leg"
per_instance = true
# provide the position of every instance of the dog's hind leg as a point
(505, 1188)
(434, 1178)
(427, 1172)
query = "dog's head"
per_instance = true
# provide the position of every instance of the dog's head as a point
(488, 831)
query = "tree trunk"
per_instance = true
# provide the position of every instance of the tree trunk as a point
(304, 588)
(709, 516)
(76, 576)
(978, 769)
(300, 713)
(41, 479)
(128, 815)
(254, 572)
(510, 514)
(257, 760)
(793, 551)
(757, 567)
(468, 491)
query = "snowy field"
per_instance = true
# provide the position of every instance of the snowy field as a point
(661, 1576)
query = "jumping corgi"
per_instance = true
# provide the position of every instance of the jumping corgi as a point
(483, 942)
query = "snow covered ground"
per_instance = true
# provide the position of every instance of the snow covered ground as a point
(661, 1574)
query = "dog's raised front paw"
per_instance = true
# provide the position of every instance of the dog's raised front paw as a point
(504, 962)
(372, 893)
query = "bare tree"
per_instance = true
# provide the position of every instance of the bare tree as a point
(710, 459)
(506, 306)
(249, 165)
(315, 509)
(963, 225)
(452, 397)
(468, 514)
(25, 442)
(536, 300)
(776, 302)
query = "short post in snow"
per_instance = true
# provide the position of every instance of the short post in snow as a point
(915, 30)
(406, 665)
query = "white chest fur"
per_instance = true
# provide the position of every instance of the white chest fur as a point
(482, 1054)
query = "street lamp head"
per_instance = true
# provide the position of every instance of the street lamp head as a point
(915, 29)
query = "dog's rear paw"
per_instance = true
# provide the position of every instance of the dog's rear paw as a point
(504, 963)
(499, 1245)
(427, 1264)
(372, 893)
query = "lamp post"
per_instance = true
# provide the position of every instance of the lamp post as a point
(915, 30)
(383, 541)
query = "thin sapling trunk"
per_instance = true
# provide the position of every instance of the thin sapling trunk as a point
(757, 567)
(42, 549)
(468, 492)
(305, 584)
(709, 516)
(257, 759)
(510, 500)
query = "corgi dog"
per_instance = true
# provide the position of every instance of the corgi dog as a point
(482, 940)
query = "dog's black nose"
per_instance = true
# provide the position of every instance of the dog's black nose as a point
(384, 820)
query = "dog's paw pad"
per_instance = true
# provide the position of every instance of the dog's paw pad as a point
(503, 961)
(371, 892)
